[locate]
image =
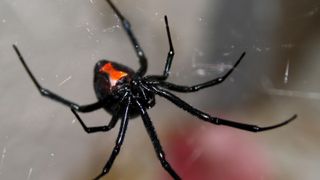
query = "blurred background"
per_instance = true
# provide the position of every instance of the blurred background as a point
(62, 40)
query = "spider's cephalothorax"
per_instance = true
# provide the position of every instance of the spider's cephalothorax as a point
(125, 94)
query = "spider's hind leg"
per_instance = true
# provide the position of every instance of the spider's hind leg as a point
(127, 27)
(216, 81)
(47, 93)
(170, 56)
(95, 129)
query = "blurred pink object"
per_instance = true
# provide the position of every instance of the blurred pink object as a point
(217, 153)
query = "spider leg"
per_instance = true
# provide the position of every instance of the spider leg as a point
(105, 128)
(127, 27)
(47, 93)
(215, 120)
(169, 57)
(119, 141)
(95, 129)
(197, 87)
(155, 141)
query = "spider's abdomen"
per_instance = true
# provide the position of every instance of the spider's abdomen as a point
(109, 79)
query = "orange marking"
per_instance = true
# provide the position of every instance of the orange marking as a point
(113, 73)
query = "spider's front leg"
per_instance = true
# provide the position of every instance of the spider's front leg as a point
(47, 93)
(155, 141)
(215, 120)
(119, 141)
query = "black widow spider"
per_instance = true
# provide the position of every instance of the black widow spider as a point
(126, 94)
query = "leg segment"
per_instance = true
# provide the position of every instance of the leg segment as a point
(127, 27)
(155, 141)
(169, 57)
(119, 141)
(197, 87)
(95, 129)
(47, 93)
(206, 117)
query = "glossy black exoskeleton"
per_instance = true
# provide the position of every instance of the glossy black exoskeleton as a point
(126, 93)
(112, 80)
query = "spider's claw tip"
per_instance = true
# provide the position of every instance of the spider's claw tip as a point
(289, 120)
(292, 118)
(14, 46)
(98, 177)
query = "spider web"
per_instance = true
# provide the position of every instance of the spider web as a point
(63, 39)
